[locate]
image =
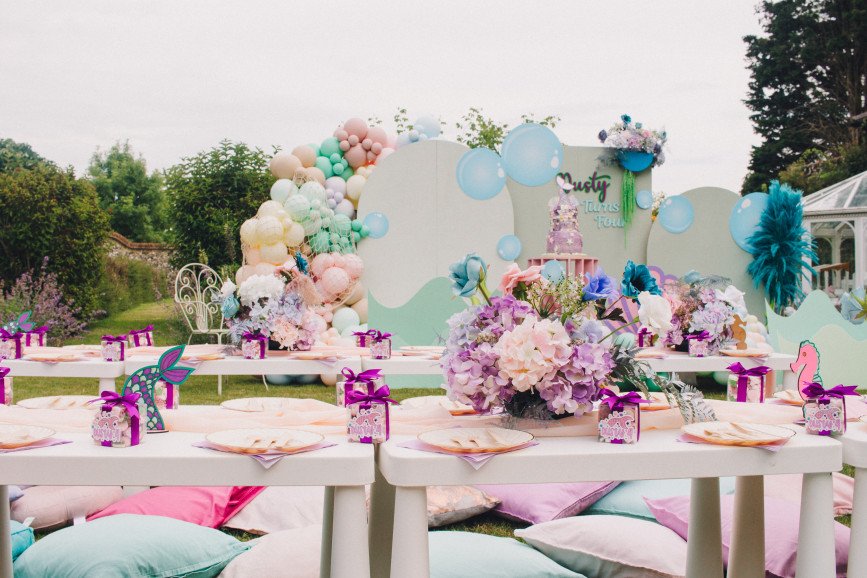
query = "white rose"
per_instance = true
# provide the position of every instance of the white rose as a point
(227, 289)
(734, 297)
(654, 312)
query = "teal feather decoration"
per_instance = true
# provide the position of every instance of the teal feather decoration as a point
(783, 251)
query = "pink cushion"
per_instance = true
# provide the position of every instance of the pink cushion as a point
(788, 487)
(205, 506)
(782, 520)
(537, 503)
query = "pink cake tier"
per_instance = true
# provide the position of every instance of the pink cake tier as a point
(575, 264)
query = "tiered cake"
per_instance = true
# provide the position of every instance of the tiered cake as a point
(565, 243)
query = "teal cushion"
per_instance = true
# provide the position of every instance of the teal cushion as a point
(462, 554)
(627, 499)
(130, 545)
(22, 538)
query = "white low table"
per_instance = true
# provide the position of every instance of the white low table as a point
(855, 454)
(105, 371)
(169, 459)
(656, 456)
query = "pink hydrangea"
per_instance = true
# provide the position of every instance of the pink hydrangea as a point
(532, 351)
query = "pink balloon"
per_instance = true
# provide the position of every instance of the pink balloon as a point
(378, 135)
(355, 156)
(335, 281)
(353, 140)
(321, 263)
(376, 148)
(353, 265)
(344, 145)
(356, 127)
(391, 142)
(341, 134)
(386, 152)
(366, 144)
(371, 156)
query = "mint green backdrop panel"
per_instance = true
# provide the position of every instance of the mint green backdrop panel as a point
(599, 218)
(707, 246)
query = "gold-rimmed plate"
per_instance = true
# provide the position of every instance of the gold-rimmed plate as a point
(476, 440)
(19, 436)
(264, 440)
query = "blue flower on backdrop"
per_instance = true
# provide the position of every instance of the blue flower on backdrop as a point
(853, 306)
(230, 307)
(637, 278)
(301, 262)
(626, 118)
(692, 276)
(467, 275)
(599, 286)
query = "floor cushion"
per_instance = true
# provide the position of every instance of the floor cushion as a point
(287, 553)
(782, 520)
(56, 506)
(596, 546)
(15, 492)
(205, 506)
(627, 499)
(451, 504)
(463, 554)
(130, 545)
(788, 487)
(537, 503)
(22, 538)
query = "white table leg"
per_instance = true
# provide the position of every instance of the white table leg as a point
(747, 552)
(380, 524)
(5, 535)
(816, 557)
(107, 384)
(349, 551)
(410, 546)
(858, 537)
(327, 532)
(704, 538)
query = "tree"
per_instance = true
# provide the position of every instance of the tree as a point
(46, 212)
(817, 169)
(210, 196)
(135, 201)
(807, 83)
(15, 155)
(477, 130)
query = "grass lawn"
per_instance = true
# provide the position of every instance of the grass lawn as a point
(202, 390)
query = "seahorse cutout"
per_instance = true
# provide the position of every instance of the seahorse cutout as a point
(806, 366)
(143, 380)
(739, 334)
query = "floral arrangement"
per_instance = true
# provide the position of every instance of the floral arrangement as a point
(658, 197)
(278, 305)
(627, 135)
(542, 350)
(703, 304)
(853, 306)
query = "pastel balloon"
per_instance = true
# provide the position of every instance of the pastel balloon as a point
(402, 140)
(745, 217)
(377, 134)
(248, 232)
(344, 317)
(341, 223)
(356, 156)
(281, 189)
(269, 208)
(320, 263)
(269, 230)
(316, 174)
(386, 152)
(336, 184)
(329, 379)
(354, 186)
(356, 127)
(428, 126)
(324, 165)
(353, 265)
(252, 256)
(644, 199)
(676, 214)
(532, 154)
(345, 208)
(284, 164)
(293, 235)
(305, 154)
(480, 174)
(264, 269)
(319, 242)
(311, 226)
(275, 253)
(553, 271)
(358, 293)
(352, 329)
(377, 223)
(361, 308)
(297, 206)
(335, 281)
(347, 173)
(509, 247)
(376, 148)
(330, 147)
(244, 273)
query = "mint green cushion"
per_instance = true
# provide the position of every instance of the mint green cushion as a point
(627, 499)
(463, 554)
(130, 545)
(22, 538)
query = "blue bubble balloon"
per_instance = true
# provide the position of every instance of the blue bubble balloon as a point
(532, 154)
(509, 247)
(480, 174)
(676, 214)
(745, 218)
(553, 271)
(644, 199)
(428, 126)
(377, 223)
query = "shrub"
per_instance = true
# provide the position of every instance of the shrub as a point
(40, 293)
(127, 282)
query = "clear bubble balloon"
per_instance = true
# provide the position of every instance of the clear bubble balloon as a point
(428, 126)
(553, 271)
(480, 174)
(532, 154)
(676, 214)
(377, 224)
(745, 217)
(509, 247)
(644, 199)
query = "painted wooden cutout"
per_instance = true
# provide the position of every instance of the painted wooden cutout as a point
(143, 380)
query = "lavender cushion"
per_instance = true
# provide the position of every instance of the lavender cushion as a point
(537, 503)
(782, 520)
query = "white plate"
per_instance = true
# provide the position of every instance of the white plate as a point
(18, 436)
(789, 397)
(256, 404)
(57, 402)
(264, 440)
(738, 434)
(453, 407)
(53, 357)
(474, 440)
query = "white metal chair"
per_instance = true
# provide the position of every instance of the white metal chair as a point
(195, 286)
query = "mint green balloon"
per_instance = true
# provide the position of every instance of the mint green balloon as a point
(330, 146)
(324, 165)
(365, 231)
(341, 224)
(346, 173)
(356, 236)
(311, 226)
(298, 207)
(319, 242)
(356, 225)
(315, 148)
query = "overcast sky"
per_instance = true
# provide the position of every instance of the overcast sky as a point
(175, 78)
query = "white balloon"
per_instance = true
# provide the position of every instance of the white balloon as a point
(269, 208)
(313, 190)
(264, 269)
(275, 253)
(345, 207)
(351, 329)
(293, 235)
(329, 379)
(354, 186)
(243, 273)
(248, 232)
(281, 189)
(252, 256)
(269, 230)
(343, 318)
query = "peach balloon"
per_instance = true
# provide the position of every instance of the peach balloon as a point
(316, 174)
(275, 253)
(361, 309)
(335, 281)
(353, 265)
(320, 263)
(284, 164)
(264, 269)
(329, 379)
(356, 156)
(356, 127)
(244, 273)
(306, 155)
(359, 292)
(252, 256)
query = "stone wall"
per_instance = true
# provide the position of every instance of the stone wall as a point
(156, 254)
